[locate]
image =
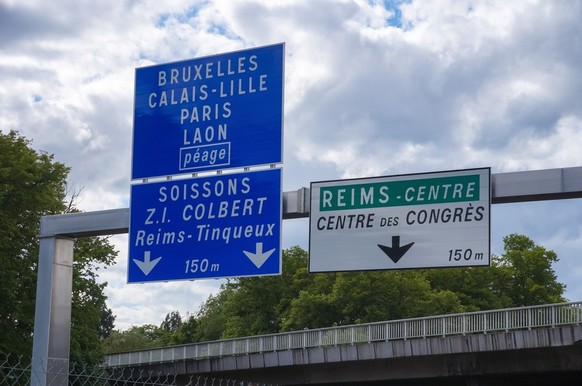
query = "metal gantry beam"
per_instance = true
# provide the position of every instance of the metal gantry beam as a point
(538, 185)
(50, 359)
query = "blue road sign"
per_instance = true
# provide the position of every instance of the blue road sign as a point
(225, 225)
(216, 112)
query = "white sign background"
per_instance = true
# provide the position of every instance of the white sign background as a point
(449, 241)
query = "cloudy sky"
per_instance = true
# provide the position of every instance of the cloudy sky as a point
(372, 88)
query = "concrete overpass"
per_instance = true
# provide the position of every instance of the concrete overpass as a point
(536, 345)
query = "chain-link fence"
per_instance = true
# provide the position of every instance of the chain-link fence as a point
(16, 371)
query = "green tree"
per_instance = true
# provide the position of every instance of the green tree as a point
(358, 297)
(248, 306)
(522, 276)
(296, 300)
(33, 184)
(474, 286)
(188, 332)
(257, 305)
(252, 306)
(107, 322)
(525, 273)
(172, 322)
(137, 338)
(91, 320)
(313, 307)
(211, 316)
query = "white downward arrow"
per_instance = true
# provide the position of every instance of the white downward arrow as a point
(147, 265)
(259, 257)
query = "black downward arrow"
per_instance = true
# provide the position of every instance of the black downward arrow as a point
(395, 252)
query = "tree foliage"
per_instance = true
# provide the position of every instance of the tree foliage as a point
(296, 300)
(525, 273)
(33, 184)
(136, 338)
(91, 319)
(172, 322)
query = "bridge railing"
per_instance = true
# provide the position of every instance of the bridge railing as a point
(481, 322)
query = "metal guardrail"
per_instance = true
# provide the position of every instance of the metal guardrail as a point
(481, 322)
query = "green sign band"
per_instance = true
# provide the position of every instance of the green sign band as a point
(400, 193)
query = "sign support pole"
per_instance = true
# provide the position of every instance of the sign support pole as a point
(52, 327)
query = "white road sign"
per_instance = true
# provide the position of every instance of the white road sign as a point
(430, 220)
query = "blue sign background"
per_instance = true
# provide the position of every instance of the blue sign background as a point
(216, 112)
(173, 215)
